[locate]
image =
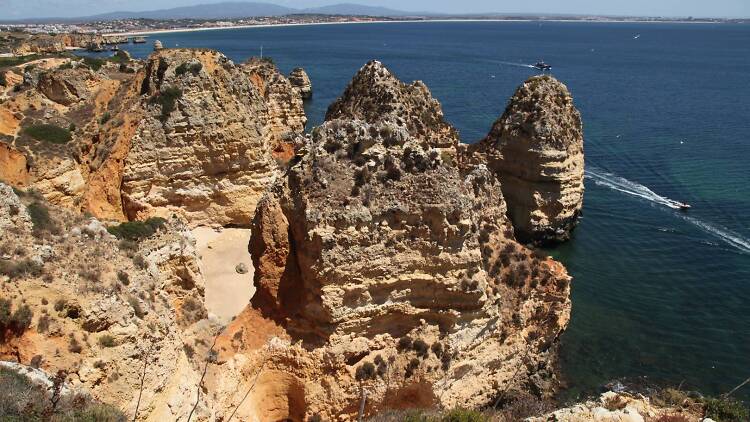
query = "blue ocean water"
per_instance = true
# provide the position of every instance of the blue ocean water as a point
(656, 292)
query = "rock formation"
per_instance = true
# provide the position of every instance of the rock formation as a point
(299, 79)
(384, 256)
(396, 266)
(201, 149)
(101, 309)
(286, 115)
(625, 407)
(536, 149)
(189, 133)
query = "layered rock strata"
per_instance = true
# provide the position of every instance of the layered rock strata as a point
(124, 321)
(188, 132)
(299, 79)
(395, 266)
(201, 149)
(286, 114)
(536, 149)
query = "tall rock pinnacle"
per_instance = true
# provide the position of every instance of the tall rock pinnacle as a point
(536, 150)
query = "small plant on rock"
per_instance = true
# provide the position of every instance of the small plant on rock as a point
(107, 340)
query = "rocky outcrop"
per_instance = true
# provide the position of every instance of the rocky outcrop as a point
(536, 149)
(106, 313)
(13, 166)
(286, 115)
(299, 79)
(69, 86)
(189, 133)
(624, 407)
(202, 149)
(395, 265)
(58, 43)
(408, 106)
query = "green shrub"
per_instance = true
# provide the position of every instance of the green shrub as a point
(123, 277)
(18, 321)
(21, 319)
(22, 400)
(95, 412)
(193, 68)
(167, 99)
(40, 218)
(5, 308)
(19, 269)
(93, 63)
(42, 326)
(365, 372)
(726, 410)
(15, 61)
(463, 415)
(105, 118)
(74, 346)
(60, 305)
(48, 133)
(107, 340)
(137, 230)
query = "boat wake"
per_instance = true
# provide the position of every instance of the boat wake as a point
(624, 185)
(727, 236)
(515, 64)
(628, 187)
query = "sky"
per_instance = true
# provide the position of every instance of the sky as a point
(17, 9)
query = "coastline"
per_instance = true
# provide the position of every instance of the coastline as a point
(219, 28)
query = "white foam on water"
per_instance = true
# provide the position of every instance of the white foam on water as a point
(624, 185)
(729, 237)
(514, 64)
(629, 187)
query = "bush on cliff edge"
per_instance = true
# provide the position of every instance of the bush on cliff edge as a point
(137, 230)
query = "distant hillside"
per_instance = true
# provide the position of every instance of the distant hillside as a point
(357, 9)
(203, 11)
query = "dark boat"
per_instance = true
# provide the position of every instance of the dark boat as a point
(683, 207)
(541, 65)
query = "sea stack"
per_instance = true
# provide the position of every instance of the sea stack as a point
(391, 266)
(536, 149)
(299, 79)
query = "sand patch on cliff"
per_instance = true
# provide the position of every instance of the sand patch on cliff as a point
(227, 291)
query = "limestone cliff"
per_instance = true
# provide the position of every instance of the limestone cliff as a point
(185, 132)
(536, 149)
(395, 265)
(286, 115)
(113, 315)
(201, 149)
(408, 106)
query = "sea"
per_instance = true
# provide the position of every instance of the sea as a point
(659, 295)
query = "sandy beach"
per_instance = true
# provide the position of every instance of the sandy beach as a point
(218, 28)
(227, 291)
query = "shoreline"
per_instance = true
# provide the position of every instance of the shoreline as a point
(219, 28)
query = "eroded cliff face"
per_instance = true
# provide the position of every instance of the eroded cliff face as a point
(112, 315)
(396, 266)
(200, 150)
(286, 115)
(299, 79)
(186, 132)
(536, 149)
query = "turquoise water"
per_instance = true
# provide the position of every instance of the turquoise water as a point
(657, 292)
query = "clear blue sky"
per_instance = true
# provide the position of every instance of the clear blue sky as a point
(12, 9)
